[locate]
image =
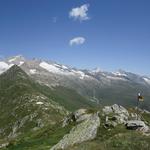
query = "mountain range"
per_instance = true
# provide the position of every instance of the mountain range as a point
(95, 86)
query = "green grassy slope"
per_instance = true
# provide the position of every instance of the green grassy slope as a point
(19, 110)
(43, 139)
(124, 93)
(26, 105)
(118, 138)
(66, 97)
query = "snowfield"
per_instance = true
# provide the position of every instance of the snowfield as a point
(4, 66)
(147, 80)
(58, 69)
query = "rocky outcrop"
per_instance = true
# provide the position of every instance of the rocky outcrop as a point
(146, 111)
(137, 125)
(86, 130)
(87, 124)
(77, 116)
(117, 109)
(134, 116)
(81, 115)
(4, 145)
(115, 115)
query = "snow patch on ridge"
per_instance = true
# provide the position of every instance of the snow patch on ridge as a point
(50, 68)
(80, 73)
(21, 63)
(119, 74)
(11, 60)
(14, 58)
(64, 67)
(32, 71)
(147, 80)
(61, 69)
(4, 66)
(96, 70)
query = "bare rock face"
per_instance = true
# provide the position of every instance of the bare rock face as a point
(146, 111)
(81, 115)
(84, 131)
(117, 109)
(77, 116)
(115, 114)
(137, 125)
(134, 116)
(87, 123)
(4, 145)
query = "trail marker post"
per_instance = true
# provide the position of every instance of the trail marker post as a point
(140, 98)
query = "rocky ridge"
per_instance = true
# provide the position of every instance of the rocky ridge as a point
(83, 131)
(87, 124)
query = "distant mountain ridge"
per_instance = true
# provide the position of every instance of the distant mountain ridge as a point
(95, 85)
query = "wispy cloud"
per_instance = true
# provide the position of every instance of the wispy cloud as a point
(77, 41)
(80, 13)
(54, 19)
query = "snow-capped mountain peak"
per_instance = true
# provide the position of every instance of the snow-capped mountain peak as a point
(50, 67)
(16, 58)
(4, 66)
(118, 73)
(95, 71)
(42, 68)
(62, 69)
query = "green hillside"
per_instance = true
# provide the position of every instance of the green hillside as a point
(26, 106)
(113, 138)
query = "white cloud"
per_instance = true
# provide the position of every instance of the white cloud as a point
(77, 41)
(80, 13)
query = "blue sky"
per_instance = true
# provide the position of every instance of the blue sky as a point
(116, 33)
